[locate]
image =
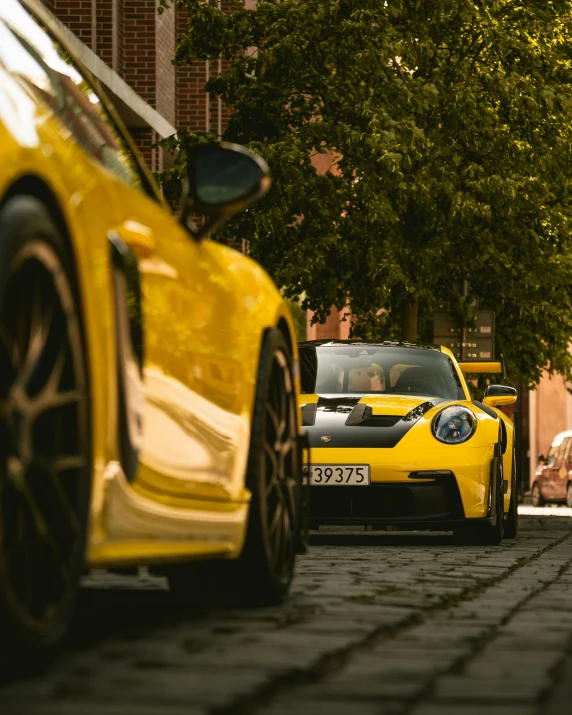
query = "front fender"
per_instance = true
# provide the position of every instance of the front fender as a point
(261, 307)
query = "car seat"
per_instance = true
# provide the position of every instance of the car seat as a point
(414, 381)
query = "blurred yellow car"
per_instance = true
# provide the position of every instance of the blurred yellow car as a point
(147, 375)
(397, 441)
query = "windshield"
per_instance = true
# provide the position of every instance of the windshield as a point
(379, 369)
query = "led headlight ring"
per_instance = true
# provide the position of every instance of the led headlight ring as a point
(454, 425)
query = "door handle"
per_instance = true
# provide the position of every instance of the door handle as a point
(138, 237)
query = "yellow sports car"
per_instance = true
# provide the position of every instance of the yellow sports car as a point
(397, 441)
(147, 375)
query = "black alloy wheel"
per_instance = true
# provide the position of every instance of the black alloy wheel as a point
(511, 519)
(279, 488)
(537, 498)
(44, 433)
(263, 572)
(488, 534)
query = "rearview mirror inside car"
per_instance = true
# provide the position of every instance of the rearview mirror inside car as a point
(497, 395)
(221, 180)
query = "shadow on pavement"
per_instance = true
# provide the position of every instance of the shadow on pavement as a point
(125, 613)
(380, 538)
(124, 609)
(128, 612)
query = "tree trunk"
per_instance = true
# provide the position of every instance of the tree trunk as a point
(410, 311)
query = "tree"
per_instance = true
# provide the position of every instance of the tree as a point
(449, 129)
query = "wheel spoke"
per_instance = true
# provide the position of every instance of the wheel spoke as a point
(286, 539)
(282, 421)
(283, 402)
(52, 400)
(40, 325)
(276, 518)
(59, 464)
(50, 397)
(274, 467)
(278, 536)
(273, 486)
(273, 417)
(282, 429)
(290, 497)
(280, 407)
(284, 448)
(23, 488)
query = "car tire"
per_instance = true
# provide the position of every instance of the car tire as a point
(45, 454)
(263, 572)
(569, 495)
(487, 534)
(537, 498)
(511, 521)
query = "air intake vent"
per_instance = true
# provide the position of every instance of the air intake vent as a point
(362, 416)
(381, 421)
(308, 414)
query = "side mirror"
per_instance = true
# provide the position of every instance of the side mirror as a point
(222, 179)
(497, 395)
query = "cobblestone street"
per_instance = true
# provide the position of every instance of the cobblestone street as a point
(377, 624)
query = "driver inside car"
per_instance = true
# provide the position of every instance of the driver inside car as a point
(369, 378)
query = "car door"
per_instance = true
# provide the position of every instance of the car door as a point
(182, 430)
(559, 475)
(545, 481)
(195, 434)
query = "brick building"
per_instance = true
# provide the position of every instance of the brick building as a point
(129, 47)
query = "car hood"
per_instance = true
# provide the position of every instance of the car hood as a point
(362, 420)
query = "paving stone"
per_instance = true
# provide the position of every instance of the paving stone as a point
(329, 707)
(511, 665)
(365, 687)
(462, 709)
(471, 689)
(85, 707)
(560, 699)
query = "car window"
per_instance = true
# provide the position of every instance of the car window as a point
(563, 449)
(43, 66)
(566, 453)
(371, 369)
(551, 458)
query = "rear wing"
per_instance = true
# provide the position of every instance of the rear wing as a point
(481, 366)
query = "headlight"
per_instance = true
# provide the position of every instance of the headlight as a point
(454, 425)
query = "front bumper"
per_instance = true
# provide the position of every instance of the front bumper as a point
(468, 477)
(431, 504)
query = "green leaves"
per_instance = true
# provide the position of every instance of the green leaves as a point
(445, 133)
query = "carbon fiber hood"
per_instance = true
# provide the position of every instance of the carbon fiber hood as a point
(361, 421)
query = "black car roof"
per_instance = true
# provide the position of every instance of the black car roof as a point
(384, 343)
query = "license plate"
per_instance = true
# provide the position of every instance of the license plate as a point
(340, 475)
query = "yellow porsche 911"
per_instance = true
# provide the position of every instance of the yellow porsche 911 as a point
(147, 376)
(397, 441)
